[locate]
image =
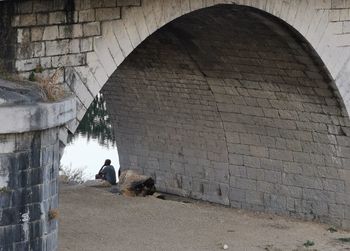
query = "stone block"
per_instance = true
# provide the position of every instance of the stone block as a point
(271, 164)
(27, 64)
(50, 33)
(37, 33)
(268, 141)
(106, 3)
(302, 181)
(345, 224)
(128, 2)
(39, 49)
(254, 197)
(276, 154)
(237, 171)
(27, 20)
(45, 62)
(300, 157)
(25, 7)
(255, 173)
(237, 194)
(218, 193)
(74, 46)
(340, 4)
(42, 6)
(239, 149)
(70, 31)
(291, 191)
(87, 16)
(23, 35)
(251, 161)
(91, 29)
(244, 183)
(235, 159)
(86, 44)
(275, 202)
(249, 139)
(103, 14)
(232, 137)
(290, 167)
(317, 159)
(57, 17)
(272, 176)
(58, 47)
(293, 145)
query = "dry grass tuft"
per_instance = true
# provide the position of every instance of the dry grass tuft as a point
(51, 88)
(53, 214)
(71, 175)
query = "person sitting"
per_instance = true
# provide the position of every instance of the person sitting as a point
(107, 172)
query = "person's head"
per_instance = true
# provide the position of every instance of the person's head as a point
(107, 162)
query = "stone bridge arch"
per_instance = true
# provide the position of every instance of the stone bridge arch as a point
(100, 36)
(238, 123)
(92, 39)
(316, 21)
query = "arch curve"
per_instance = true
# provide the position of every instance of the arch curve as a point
(228, 106)
(120, 37)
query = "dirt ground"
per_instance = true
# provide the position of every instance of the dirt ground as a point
(95, 219)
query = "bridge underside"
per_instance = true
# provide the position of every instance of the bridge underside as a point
(225, 104)
(230, 106)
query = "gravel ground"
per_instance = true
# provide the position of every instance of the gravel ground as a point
(95, 219)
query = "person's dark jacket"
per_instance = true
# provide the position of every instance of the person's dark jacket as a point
(109, 174)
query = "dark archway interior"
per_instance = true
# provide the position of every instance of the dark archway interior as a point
(227, 105)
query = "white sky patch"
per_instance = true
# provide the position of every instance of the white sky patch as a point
(4, 180)
(4, 177)
(88, 156)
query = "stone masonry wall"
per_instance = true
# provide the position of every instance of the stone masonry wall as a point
(91, 38)
(228, 106)
(29, 164)
(8, 38)
(51, 34)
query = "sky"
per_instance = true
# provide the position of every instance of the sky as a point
(89, 156)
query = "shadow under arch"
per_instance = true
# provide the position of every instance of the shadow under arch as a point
(119, 38)
(228, 105)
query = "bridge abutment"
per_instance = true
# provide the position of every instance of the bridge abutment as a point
(29, 190)
(31, 134)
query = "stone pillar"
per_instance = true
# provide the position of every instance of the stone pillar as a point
(29, 165)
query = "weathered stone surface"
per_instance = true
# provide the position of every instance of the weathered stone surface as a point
(253, 125)
(139, 22)
(230, 117)
(29, 192)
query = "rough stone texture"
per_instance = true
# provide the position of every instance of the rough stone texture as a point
(29, 165)
(99, 34)
(227, 105)
(253, 125)
(7, 35)
(24, 108)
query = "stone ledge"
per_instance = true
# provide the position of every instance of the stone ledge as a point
(39, 116)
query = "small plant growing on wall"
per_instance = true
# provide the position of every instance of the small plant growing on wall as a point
(50, 86)
(53, 214)
(32, 76)
(39, 69)
(4, 190)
